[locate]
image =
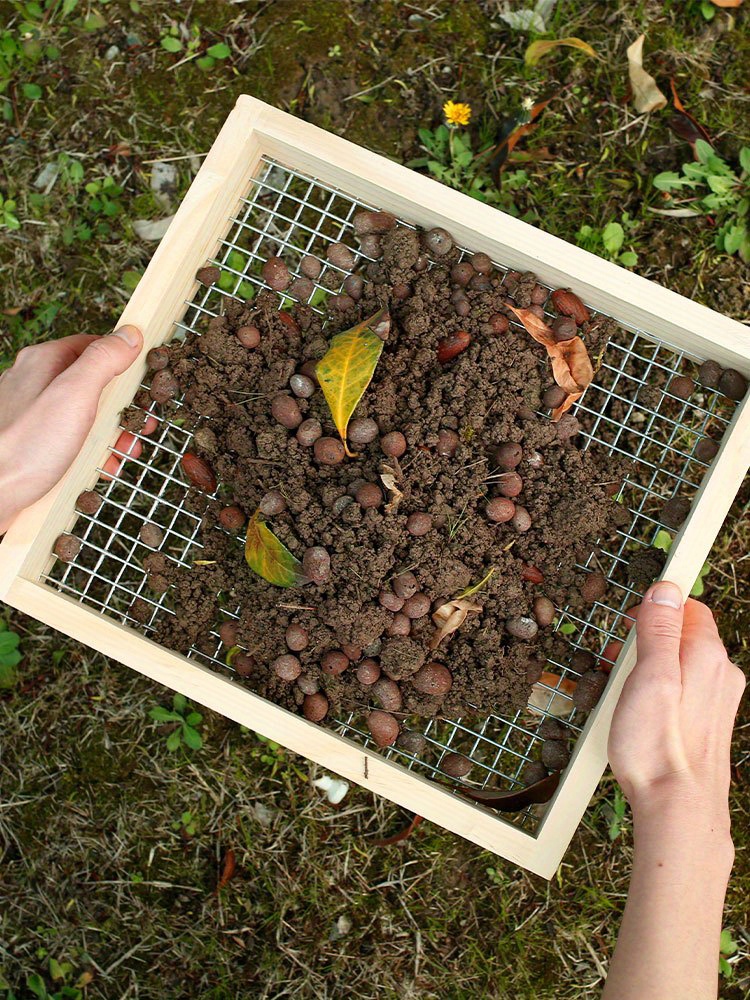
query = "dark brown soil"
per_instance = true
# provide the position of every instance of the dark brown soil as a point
(486, 395)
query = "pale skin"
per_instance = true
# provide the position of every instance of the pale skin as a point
(669, 746)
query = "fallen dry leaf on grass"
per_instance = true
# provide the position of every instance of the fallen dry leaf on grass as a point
(450, 616)
(400, 834)
(227, 872)
(510, 131)
(684, 125)
(726, 3)
(537, 50)
(559, 705)
(646, 94)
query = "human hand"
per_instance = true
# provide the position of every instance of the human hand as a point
(671, 732)
(48, 402)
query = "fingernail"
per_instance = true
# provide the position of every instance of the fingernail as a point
(130, 334)
(667, 594)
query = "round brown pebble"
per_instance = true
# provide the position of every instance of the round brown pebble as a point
(89, 502)
(354, 286)
(500, 510)
(329, 451)
(682, 387)
(391, 602)
(434, 679)
(461, 274)
(498, 324)
(309, 431)
(555, 754)
(369, 495)
(244, 664)
(388, 694)
(481, 263)
(438, 241)
(417, 605)
(419, 524)
(341, 256)
(521, 520)
(544, 611)
(316, 564)
(334, 662)
(158, 583)
(510, 484)
(297, 637)
(373, 222)
(567, 426)
(405, 584)
(507, 456)
(455, 765)
(232, 518)
(594, 587)
(308, 684)
(674, 512)
(287, 667)
(447, 443)
(309, 368)
(411, 742)
(228, 633)
(310, 267)
(285, 409)
(706, 449)
(732, 384)
(301, 385)
(370, 246)
(151, 535)
(534, 772)
(301, 289)
(554, 397)
(535, 459)
(400, 624)
(539, 295)
(164, 386)
(276, 274)
(582, 660)
(552, 729)
(157, 359)
(248, 336)
(315, 706)
(589, 688)
(564, 328)
(368, 671)
(208, 275)
(383, 728)
(709, 374)
(361, 431)
(67, 548)
(272, 503)
(393, 444)
(521, 627)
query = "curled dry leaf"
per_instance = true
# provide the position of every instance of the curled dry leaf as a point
(538, 49)
(684, 125)
(267, 556)
(566, 404)
(400, 834)
(540, 791)
(511, 130)
(557, 701)
(646, 95)
(727, 3)
(390, 476)
(347, 367)
(228, 870)
(450, 616)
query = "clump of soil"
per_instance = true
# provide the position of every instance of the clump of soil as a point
(488, 488)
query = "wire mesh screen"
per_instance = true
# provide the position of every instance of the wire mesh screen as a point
(628, 410)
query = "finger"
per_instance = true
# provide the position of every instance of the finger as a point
(659, 630)
(128, 446)
(99, 363)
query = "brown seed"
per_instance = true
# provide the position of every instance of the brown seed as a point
(400, 624)
(482, 263)
(89, 502)
(539, 295)
(498, 324)
(329, 451)
(594, 587)
(589, 688)
(301, 385)
(388, 694)
(554, 396)
(361, 431)
(451, 346)
(706, 449)
(531, 574)
(383, 728)
(368, 671)
(248, 336)
(228, 633)
(232, 518)
(709, 374)
(301, 289)
(682, 387)
(353, 652)
(564, 328)
(208, 275)
(67, 548)
(555, 754)
(413, 743)
(393, 444)
(373, 222)
(315, 707)
(151, 535)
(164, 386)
(433, 679)
(369, 495)
(308, 684)
(198, 472)
(419, 524)
(297, 637)
(732, 384)
(353, 286)
(507, 456)
(272, 503)
(455, 765)
(447, 443)
(391, 602)
(569, 304)
(674, 512)
(316, 564)
(461, 274)
(521, 520)
(500, 510)
(285, 409)
(544, 611)
(157, 359)
(521, 627)
(341, 256)
(287, 667)
(370, 246)
(334, 662)
(405, 584)
(276, 274)
(510, 484)
(438, 242)
(417, 606)
(310, 267)
(309, 431)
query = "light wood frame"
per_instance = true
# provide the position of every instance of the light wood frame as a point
(252, 130)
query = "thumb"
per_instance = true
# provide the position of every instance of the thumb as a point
(659, 627)
(102, 360)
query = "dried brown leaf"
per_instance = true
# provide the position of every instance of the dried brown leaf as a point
(571, 365)
(646, 94)
(684, 125)
(540, 791)
(552, 702)
(450, 616)
(390, 476)
(400, 834)
(228, 870)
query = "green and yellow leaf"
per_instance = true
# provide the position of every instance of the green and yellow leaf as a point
(538, 49)
(269, 557)
(348, 366)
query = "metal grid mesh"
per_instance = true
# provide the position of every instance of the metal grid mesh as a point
(629, 410)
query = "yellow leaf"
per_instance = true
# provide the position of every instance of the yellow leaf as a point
(477, 586)
(537, 50)
(348, 366)
(646, 95)
(270, 558)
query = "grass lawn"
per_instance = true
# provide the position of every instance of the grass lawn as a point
(113, 848)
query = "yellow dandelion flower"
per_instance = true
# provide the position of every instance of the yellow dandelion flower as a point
(456, 114)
